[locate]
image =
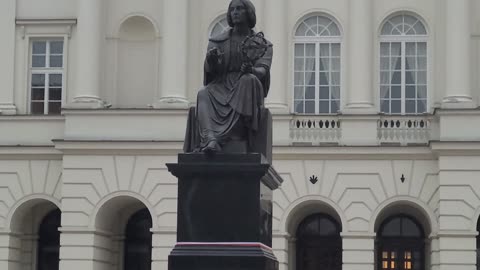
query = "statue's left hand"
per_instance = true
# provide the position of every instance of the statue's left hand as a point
(246, 68)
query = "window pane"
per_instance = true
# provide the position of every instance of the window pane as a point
(56, 47)
(38, 94)
(309, 106)
(395, 63)
(397, 77)
(421, 106)
(310, 50)
(324, 78)
(299, 93)
(36, 108)
(384, 92)
(56, 61)
(310, 64)
(324, 107)
(422, 63)
(421, 77)
(301, 30)
(385, 106)
(410, 63)
(310, 93)
(396, 106)
(392, 228)
(38, 80)
(309, 78)
(384, 77)
(336, 49)
(55, 94)
(299, 49)
(39, 47)
(410, 77)
(38, 61)
(384, 63)
(384, 49)
(324, 64)
(409, 228)
(335, 64)
(299, 78)
(55, 80)
(410, 49)
(422, 49)
(54, 107)
(335, 92)
(335, 78)
(410, 92)
(422, 91)
(324, 92)
(396, 92)
(396, 49)
(410, 106)
(299, 106)
(324, 50)
(335, 106)
(299, 64)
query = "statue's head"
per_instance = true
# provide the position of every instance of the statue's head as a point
(235, 16)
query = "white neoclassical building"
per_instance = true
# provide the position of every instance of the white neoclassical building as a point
(376, 130)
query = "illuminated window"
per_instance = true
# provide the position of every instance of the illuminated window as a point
(400, 244)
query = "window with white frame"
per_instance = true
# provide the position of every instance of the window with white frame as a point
(403, 66)
(47, 76)
(317, 66)
(220, 27)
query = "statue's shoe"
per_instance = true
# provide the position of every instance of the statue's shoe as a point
(212, 147)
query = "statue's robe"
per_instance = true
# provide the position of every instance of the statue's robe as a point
(230, 103)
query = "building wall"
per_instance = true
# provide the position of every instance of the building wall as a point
(99, 164)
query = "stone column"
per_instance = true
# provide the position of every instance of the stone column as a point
(10, 251)
(174, 55)
(359, 56)
(83, 248)
(7, 54)
(89, 47)
(358, 251)
(458, 92)
(275, 31)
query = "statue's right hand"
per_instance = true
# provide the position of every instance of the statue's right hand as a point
(213, 55)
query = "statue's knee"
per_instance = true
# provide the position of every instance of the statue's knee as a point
(248, 77)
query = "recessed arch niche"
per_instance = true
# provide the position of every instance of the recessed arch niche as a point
(137, 63)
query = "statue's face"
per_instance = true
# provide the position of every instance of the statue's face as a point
(238, 12)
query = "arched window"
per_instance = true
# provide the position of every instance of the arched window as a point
(403, 66)
(220, 27)
(319, 245)
(49, 242)
(317, 66)
(138, 241)
(400, 244)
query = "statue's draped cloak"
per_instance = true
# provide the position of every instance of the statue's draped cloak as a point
(230, 101)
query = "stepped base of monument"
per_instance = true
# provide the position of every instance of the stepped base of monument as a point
(222, 256)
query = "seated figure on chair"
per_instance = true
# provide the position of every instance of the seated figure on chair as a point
(230, 107)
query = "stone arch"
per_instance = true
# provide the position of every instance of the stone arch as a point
(120, 205)
(24, 221)
(136, 62)
(405, 205)
(398, 11)
(41, 203)
(318, 12)
(308, 205)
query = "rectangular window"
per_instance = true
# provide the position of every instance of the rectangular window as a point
(47, 76)
(403, 77)
(317, 78)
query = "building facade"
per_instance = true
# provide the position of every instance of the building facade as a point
(376, 130)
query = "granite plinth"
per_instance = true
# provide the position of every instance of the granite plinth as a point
(224, 212)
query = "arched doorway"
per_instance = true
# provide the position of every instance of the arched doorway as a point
(319, 245)
(49, 241)
(138, 241)
(400, 244)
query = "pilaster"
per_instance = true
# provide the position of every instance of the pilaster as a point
(358, 251)
(174, 53)
(275, 25)
(89, 44)
(458, 55)
(360, 58)
(163, 241)
(7, 54)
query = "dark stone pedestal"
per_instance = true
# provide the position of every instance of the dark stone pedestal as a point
(224, 212)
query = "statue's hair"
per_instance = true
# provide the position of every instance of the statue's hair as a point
(251, 15)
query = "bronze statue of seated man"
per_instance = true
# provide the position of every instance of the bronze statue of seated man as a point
(230, 113)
